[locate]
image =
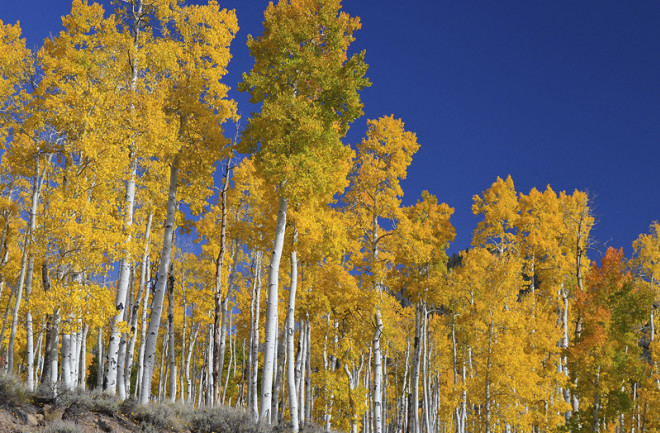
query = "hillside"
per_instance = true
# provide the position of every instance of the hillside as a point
(83, 411)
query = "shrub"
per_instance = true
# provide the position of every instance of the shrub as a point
(160, 416)
(80, 400)
(62, 427)
(12, 392)
(223, 420)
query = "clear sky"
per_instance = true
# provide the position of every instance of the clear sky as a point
(563, 93)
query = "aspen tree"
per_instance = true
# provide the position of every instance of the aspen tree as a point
(375, 195)
(206, 32)
(423, 235)
(606, 356)
(308, 88)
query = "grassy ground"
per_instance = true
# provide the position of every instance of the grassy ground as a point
(81, 411)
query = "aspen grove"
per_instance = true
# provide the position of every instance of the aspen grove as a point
(146, 252)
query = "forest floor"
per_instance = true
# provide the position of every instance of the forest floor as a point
(83, 411)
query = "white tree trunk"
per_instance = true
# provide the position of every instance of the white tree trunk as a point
(157, 304)
(378, 375)
(353, 382)
(82, 365)
(25, 274)
(129, 206)
(290, 357)
(161, 371)
(122, 291)
(66, 361)
(40, 359)
(52, 355)
(209, 372)
(170, 326)
(123, 341)
(136, 306)
(182, 368)
(189, 384)
(99, 359)
(143, 331)
(300, 371)
(220, 310)
(414, 380)
(308, 376)
(271, 315)
(74, 350)
(29, 380)
(254, 367)
(231, 359)
(219, 359)
(425, 370)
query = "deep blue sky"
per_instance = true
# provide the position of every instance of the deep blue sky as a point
(563, 93)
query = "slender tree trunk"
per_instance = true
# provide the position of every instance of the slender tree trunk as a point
(189, 382)
(143, 331)
(595, 428)
(402, 411)
(353, 382)
(300, 371)
(417, 357)
(271, 315)
(74, 349)
(170, 326)
(290, 367)
(161, 371)
(39, 352)
(99, 359)
(378, 333)
(82, 366)
(487, 393)
(66, 361)
(113, 354)
(17, 305)
(136, 307)
(231, 359)
(209, 373)
(121, 353)
(111, 377)
(219, 316)
(425, 369)
(309, 402)
(182, 368)
(277, 385)
(29, 333)
(378, 375)
(157, 304)
(254, 374)
(25, 276)
(221, 349)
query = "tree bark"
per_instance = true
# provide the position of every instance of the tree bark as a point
(189, 382)
(220, 303)
(110, 382)
(66, 361)
(417, 357)
(170, 326)
(254, 367)
(25, 274)
(157, 304)
(99, 359)
(82, 366)
(136, 306)
(271, 315)
(290, 367)
(143, 330)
